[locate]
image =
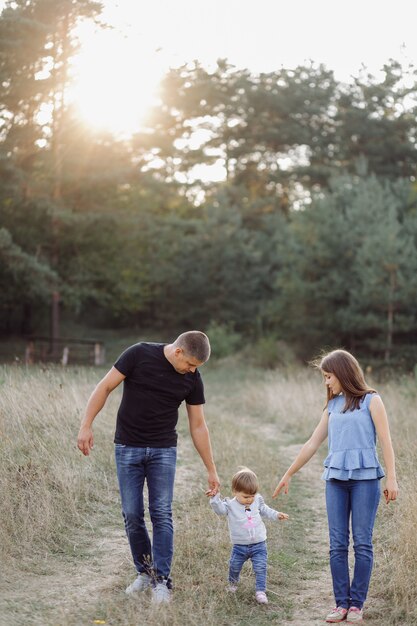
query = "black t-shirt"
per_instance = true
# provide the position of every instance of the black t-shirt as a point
(152, 392)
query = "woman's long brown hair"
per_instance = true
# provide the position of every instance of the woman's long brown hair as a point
(350, 375)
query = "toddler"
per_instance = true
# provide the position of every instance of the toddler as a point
(247, 531)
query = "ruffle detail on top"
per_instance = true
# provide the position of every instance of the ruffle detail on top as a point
(354, 463)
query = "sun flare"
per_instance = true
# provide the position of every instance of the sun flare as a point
(115, 83)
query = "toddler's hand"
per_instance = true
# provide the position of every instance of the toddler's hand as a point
(282, 516)
(211, 492)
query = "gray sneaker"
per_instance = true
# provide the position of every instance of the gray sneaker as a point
(161, 594)
(141, 583)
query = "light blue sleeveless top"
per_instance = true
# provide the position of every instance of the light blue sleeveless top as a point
(352, 442)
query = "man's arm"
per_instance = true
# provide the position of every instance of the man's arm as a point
(201, 440)
(97, 400)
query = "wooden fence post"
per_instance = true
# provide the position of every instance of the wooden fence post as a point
(99, 355)
(30, 353)
(65, 355)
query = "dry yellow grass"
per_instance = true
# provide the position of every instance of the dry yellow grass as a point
(43, 484)
(65, 560)
(396, 570)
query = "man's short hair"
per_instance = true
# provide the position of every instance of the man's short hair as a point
(195, 343)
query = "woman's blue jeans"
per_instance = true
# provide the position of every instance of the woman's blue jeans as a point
(257, 553)
(356, 500)
(157, 467)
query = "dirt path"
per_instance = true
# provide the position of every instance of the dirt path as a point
(65, 582)
(55, 598)
(68, 586)
(313, 598)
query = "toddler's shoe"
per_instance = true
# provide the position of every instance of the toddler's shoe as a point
(354, 615)
(261, 597)
(338, 614)
(231, 588)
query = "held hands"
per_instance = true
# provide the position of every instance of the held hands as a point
(85, 440)
(284, 484)
(213, 483)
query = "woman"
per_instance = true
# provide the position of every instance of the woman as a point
(353, 416)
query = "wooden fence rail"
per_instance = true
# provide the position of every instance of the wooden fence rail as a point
(66, 351)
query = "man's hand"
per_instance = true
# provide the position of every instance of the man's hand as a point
(213, 483)
(85, 440)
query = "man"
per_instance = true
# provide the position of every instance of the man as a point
(156, 379)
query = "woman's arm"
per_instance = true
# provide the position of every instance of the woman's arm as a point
(380, 419)
(307, 451)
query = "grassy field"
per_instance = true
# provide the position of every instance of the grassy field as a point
(65, 559)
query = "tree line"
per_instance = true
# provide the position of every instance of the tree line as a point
(310, 236)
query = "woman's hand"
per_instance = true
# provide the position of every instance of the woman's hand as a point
(284, 484)
(391, 490)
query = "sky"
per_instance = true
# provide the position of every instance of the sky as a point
(119, 69)
(265, 34)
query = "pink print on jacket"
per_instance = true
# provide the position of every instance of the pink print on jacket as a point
(250, 523)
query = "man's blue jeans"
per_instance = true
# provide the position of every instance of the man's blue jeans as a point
(257, 553)
(157, 467)
(358, 500)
